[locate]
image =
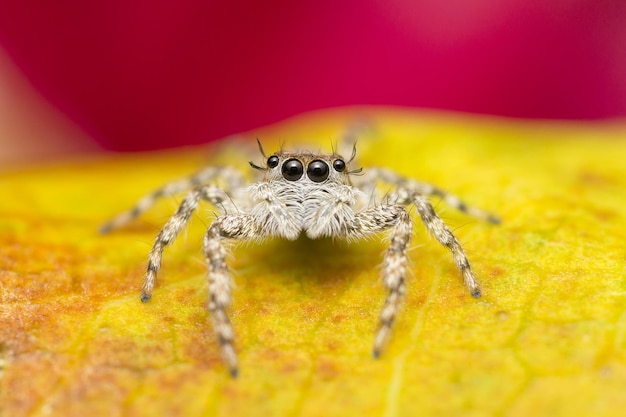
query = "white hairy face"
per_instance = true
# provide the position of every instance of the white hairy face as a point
(304, 192)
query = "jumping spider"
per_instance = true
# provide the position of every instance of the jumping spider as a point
(303, 193)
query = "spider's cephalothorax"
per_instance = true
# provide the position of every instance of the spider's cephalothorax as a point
(303, 193)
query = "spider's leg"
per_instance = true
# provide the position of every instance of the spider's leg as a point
(376, 219)
(444, 235)
(373, 175)
(231, 226)
(173, 226)
(455, 202)
(232, 178)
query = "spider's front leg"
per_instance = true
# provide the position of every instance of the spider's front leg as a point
(376, 219)
(230, 226)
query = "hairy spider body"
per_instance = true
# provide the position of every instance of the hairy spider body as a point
(302, 193)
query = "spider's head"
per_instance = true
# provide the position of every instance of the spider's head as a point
(307, 166)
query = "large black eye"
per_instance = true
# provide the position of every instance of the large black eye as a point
(317, 171)
(339, 165)
(292, 170)
(272, 161)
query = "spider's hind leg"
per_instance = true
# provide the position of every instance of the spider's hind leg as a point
(373, 175)
(232, 178)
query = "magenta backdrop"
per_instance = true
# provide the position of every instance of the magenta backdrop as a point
(148, 74)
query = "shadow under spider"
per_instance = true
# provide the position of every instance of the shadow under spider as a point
(311, 260)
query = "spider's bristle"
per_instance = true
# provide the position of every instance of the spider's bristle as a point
(260, 148)
(255, 166)
(353, 152)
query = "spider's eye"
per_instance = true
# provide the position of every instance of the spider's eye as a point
(272, 161)
(292, 170)
(339, 165)
(317, 171)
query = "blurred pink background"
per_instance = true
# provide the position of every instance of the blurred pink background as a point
(141, 75)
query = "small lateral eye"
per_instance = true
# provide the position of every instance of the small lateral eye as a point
(292, 170)
(272, 161)
(339, 165)
(317, 171)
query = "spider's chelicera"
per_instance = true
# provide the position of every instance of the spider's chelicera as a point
(303, 193)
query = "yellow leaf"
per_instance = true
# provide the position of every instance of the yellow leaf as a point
(548, 337)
